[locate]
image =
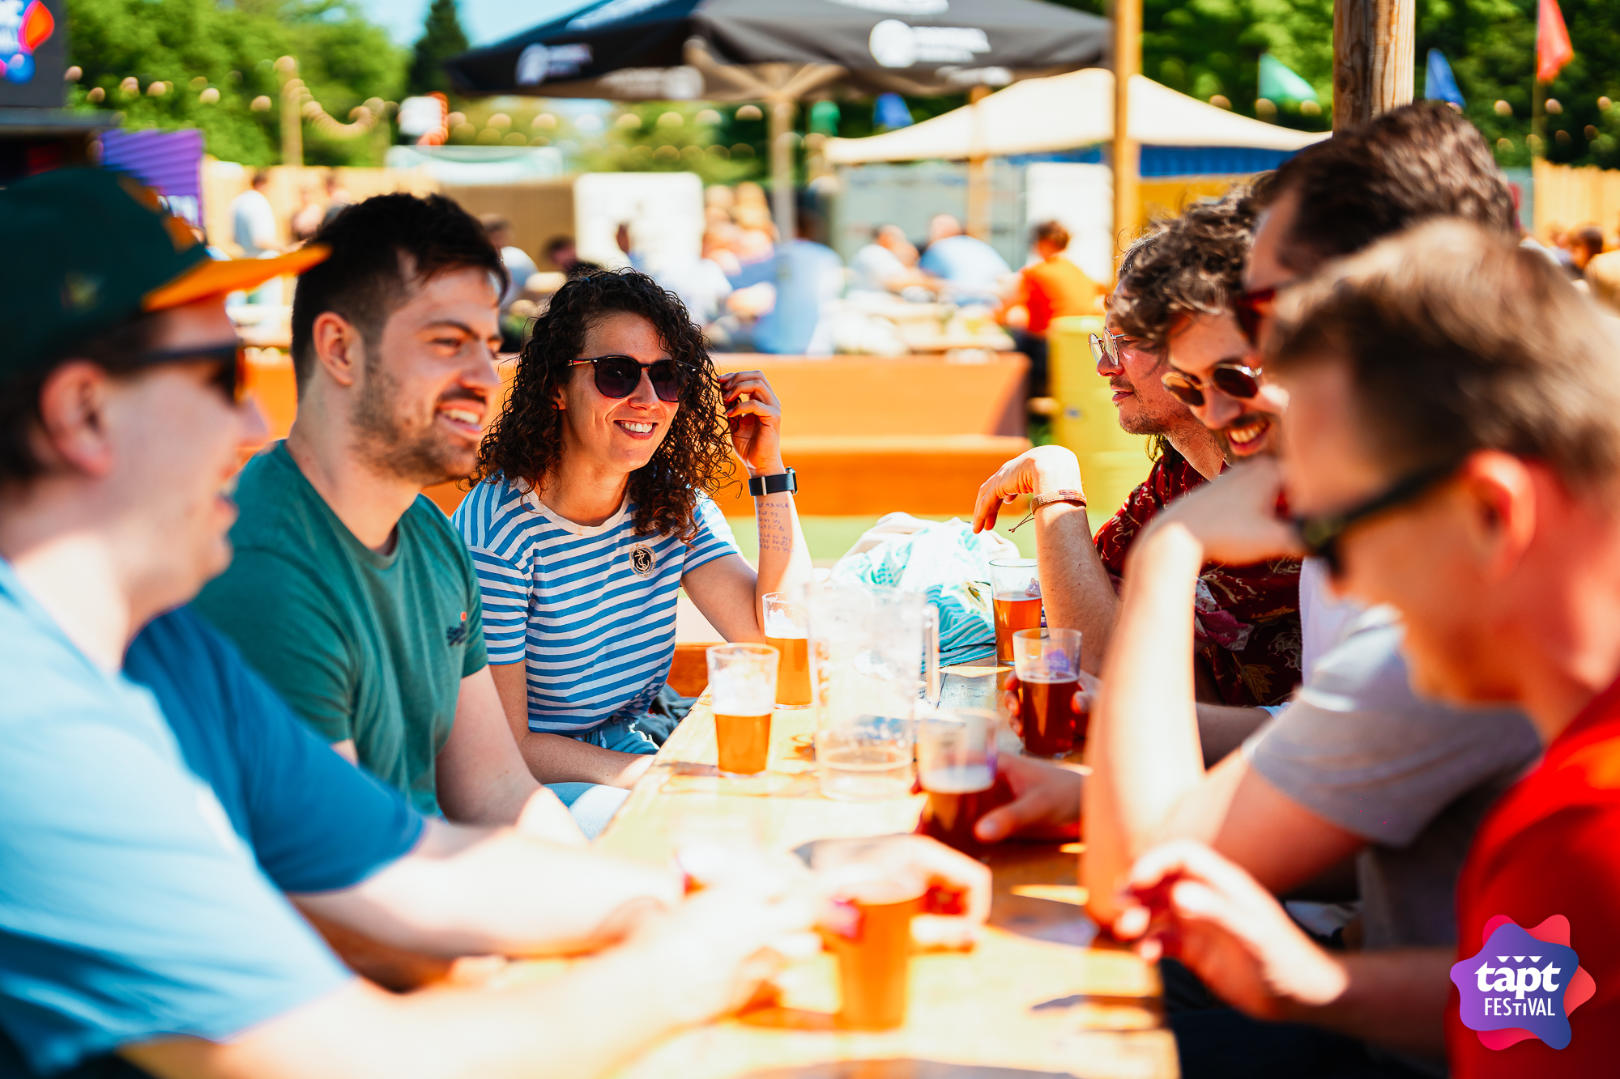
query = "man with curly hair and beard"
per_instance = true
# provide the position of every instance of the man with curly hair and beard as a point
(349, 591)
(594, 507)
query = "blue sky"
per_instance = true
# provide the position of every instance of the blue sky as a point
(484, 20)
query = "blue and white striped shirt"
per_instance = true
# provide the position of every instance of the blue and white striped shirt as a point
(591, 608)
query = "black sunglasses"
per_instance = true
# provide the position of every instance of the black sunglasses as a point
(230, 379)
(1253, 308)
(1229, 376)
(1320, 534)
(618, 376)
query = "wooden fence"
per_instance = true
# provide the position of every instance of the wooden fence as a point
(1568, 197)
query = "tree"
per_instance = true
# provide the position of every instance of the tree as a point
(442, 38)
(1206, 48)
(196, 63)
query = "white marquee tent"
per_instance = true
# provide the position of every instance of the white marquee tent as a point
(1064, 112)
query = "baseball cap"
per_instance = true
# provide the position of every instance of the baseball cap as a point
(85, 250)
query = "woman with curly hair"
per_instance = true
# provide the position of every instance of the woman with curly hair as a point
(593, 507)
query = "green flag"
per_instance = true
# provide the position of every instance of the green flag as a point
(1278, 83)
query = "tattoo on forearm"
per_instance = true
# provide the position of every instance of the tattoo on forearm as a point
(775, 528)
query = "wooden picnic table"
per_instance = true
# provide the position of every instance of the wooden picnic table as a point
(1036, 998)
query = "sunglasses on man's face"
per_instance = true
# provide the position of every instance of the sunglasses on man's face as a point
(230, 378)
(1229, 376)
(618, 376)
(1107, 345)
(1320, 534)
(1252, 309)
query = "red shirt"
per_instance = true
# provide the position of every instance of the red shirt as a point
(1248, 643)
(1552, 846)
(1057, 287)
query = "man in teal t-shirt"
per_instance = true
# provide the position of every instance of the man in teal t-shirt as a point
(350, 592)
(372, 647)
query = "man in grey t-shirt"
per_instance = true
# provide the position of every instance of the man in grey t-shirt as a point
(1410, 776)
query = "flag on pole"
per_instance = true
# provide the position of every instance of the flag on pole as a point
(1439, 84)
(1553, 50)
(890, 111)
(1281, 84)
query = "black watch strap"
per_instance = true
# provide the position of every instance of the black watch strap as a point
(773, 485)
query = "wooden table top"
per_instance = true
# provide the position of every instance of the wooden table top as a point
(1036, 998)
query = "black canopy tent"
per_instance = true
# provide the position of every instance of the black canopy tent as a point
(781, 51)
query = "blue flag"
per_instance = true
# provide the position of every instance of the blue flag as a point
(1439, 84)
(890, 111)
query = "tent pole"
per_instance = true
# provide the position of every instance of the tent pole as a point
(978, 175)
(779, 108)
(1126, 154)
(1374, 50)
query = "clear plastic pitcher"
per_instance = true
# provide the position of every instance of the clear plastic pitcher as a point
(874, 664)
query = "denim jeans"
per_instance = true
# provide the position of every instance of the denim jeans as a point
(593, 804)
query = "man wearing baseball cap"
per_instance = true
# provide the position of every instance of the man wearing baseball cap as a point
(159, 805)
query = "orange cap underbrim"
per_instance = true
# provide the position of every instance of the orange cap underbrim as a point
(216, 277)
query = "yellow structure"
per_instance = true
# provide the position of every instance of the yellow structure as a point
(1112, 462)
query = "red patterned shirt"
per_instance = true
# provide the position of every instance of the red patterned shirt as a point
(1248, 616)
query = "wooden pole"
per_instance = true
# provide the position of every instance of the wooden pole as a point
(1538, 122)
(978, 176)
(1374, 49)
(292, 111)
(1126, 154)
(780, 133)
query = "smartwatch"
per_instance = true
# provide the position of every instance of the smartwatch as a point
(773, 485)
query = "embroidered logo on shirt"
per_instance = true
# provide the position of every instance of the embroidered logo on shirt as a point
(457, 634)
(642, 560)
(1523, 983)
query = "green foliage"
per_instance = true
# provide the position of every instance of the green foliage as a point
(442, 38)
(197, 49)
(1209, 47)
(676, 137)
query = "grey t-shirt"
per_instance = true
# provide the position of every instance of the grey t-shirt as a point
(1358, 747)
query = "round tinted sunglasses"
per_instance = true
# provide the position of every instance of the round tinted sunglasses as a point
(1106, 345)
(1230, 377)
(618, 376)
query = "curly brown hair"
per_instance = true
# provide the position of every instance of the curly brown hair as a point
(525, 441)
(1188, 265)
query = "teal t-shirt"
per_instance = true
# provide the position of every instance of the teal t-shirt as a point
(365, 646)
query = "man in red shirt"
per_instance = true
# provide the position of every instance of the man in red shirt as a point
(1051, 287)
(1248, 616)
(1452, 446)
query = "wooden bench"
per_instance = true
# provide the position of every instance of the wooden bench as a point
(866, 434)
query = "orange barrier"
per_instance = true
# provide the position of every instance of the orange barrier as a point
(866, 434)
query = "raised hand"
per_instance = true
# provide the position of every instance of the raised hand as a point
(1041, 470)
(754, 417)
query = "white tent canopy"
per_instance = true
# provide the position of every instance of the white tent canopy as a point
(1064, 112)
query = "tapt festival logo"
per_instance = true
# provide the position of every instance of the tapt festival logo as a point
(1524, 983)
(25, 25)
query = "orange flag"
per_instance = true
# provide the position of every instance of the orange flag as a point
(1553, 50)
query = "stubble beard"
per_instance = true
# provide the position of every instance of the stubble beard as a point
(387, 447)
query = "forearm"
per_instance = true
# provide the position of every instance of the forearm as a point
(574, 1024)
(469, 891)
(569, 1025)
(1394, 998)
(1223, 728)
(1143, 745)
(494, 801)
(1076, 590)
(784, 556)
(557, 758)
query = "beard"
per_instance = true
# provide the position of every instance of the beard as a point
(390, 445)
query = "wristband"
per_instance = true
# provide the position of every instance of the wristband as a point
(774, 485)
(1066, 494)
